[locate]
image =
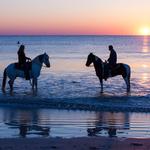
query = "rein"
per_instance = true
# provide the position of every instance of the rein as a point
(40, 64)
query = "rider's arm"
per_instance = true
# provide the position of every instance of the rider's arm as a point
(28, 58)
(108, 59)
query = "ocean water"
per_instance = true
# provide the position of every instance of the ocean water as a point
(69, 84)
(69, 78)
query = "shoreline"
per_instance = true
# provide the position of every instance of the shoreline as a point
(84, 143)
(116, 104)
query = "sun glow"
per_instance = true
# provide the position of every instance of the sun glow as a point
(145, 31)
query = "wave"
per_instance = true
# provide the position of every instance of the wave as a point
(103, 103)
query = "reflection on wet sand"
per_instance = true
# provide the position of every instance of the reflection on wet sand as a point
(109, 122)
(26, 122)
(63, 123)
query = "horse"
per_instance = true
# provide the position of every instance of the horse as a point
(121, 69)
(36, 65)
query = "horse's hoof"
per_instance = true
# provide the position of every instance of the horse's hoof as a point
(101, 92)
(128, 90)
(3, 90)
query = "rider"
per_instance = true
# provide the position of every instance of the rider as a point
(112, 61)
(22, 60)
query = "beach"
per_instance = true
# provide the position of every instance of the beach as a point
(85, 143)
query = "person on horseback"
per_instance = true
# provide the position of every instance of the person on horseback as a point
(22, 60)
(111, 62)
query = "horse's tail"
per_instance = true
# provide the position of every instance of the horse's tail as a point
(128, 72)
(128, 75)
(4, 80)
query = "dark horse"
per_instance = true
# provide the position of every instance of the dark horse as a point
(120, 69)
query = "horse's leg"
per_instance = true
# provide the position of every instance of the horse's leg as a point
(101, 83)
(11, 82)
(34, 83)
(4, 81)
(127, 81)
(128, 88)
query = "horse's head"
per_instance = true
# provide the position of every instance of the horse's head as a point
(45, 59)
(90, 59)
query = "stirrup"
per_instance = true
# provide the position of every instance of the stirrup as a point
(105, 79)
(27, 78)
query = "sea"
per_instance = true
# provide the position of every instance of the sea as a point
(68, 102)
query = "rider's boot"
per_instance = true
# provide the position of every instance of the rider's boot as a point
(27, 75)
(109, 73)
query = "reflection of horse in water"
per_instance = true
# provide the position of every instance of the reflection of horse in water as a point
(110, 122)
(29, 129)
(25, 129)
(12, 72)
(27, 122)
(120, 69)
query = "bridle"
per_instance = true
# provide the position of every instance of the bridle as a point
(40, 64)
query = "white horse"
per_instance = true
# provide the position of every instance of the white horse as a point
(11, 72)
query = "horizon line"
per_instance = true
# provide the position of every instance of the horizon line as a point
(72, 35)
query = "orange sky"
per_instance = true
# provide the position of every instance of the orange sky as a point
(123, 17)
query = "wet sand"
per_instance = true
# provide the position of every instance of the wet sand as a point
(85, 143)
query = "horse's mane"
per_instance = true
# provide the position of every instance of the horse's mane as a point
(39, 57)
(99, 59)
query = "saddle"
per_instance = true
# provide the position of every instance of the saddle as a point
(23, 67)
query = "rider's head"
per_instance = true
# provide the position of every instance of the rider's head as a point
(110, 47)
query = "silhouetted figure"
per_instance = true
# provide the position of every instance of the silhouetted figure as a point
(100, 69)
(22, 60)
(18, 42)
(111, 62)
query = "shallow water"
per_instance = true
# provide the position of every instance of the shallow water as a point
(69, 78)
(21, 122)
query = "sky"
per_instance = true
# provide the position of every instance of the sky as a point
(67, 17)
